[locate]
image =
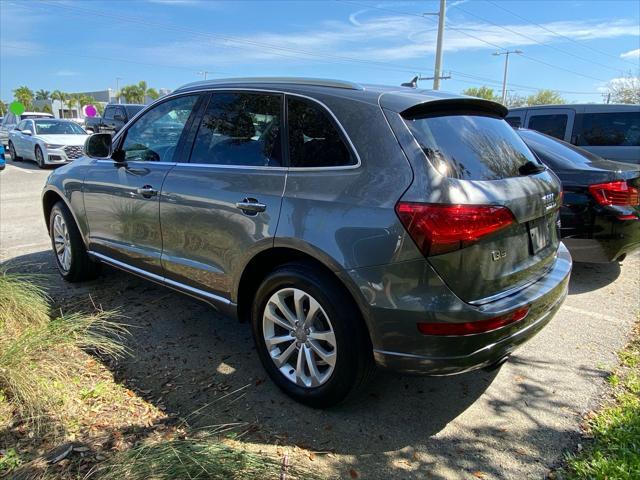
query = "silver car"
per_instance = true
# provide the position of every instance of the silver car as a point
(10, 121)
(48, 141)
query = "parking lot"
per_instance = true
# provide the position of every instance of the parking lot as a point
(512, 423)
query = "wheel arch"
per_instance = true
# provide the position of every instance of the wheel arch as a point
(265, 261)
(50, 197)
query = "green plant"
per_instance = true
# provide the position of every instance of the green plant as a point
(35, 361)
(9, 461)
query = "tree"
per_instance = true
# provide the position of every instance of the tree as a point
(132, 93)
(3, 108)
(545, 97)
(481, 92)
(24, 95)
(623, 90)
(73, 99)
(42, 94)
(153, 94)
(515, 100)
(61, 97)
(47, 108)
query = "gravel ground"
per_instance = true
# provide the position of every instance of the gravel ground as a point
(513, 423)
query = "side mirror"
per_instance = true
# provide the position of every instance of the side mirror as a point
(98, 146)
(26, 131)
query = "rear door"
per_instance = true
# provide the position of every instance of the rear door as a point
(611, 135)
(108, 123)
(555, 122)
(223, 206)
(486, 208)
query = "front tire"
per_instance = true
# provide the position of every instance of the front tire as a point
(39, 157)
(310, 335)
(72, 260)
(12, 152)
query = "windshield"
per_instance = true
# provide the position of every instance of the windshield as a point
(57, 127)
(471, 147)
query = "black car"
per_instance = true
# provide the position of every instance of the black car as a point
(600, 213)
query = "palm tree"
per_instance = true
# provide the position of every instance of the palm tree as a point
(24, 95)
(152, 93)
(132, 94)
(73, 100)
(3, 108)
(42, 94)
(61, 97)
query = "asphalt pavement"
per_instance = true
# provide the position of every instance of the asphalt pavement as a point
(513, 423)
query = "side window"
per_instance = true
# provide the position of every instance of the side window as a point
(554, 125)
(22, 125)
(242, 129)
(314, 141)
(515, 122)
(610, 129)
(120, 111)
(155, 135)
(109, 112)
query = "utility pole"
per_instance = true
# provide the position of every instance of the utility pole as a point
(506, 54)
(118, 87)
(204, 74)
(438, 66)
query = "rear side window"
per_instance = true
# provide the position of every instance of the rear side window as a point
(515, 122)
(553, 125)
(610, 129)
(471, 147)
(241, 129)
(314, 140)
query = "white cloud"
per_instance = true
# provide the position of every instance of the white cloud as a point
(631, 54)
(368, 36)
(66, 73)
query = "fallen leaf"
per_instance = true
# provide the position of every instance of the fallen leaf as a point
(479, 474)
(312, 456)
(353, 473)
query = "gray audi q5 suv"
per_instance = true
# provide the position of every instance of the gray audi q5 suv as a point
(351, 225)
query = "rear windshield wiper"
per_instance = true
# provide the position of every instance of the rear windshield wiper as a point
(531, 168)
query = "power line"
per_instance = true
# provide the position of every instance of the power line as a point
(460, 30)
(495, 4)
(539, 43)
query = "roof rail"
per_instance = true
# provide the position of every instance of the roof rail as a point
(318, 82)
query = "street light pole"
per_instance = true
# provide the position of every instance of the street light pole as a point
(204, 74)
(438, 66)
(506, 54)
(118, 87)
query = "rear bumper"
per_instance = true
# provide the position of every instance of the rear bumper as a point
(614, 238)
(399, 346)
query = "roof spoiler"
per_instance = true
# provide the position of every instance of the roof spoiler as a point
(456, 105)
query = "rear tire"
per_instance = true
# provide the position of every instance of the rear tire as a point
(72, 260)
(319, 379)
(12, 152)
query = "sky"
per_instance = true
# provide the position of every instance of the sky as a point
(572, 46)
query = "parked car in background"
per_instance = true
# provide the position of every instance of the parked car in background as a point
(600, 213)
(404, 227)
(10, 121)
(47, 141)
(3, 160)
(114, 117)
(609, 131)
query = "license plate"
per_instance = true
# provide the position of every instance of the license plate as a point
(539, 235)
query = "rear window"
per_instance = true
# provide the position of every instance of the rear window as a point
(556, 153)
(610, 129)
(554, 125)
(471, 147)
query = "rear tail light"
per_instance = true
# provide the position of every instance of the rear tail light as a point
(615, 193)
(437, 228)
(469, 328)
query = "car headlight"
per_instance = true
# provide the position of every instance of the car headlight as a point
(49, 145)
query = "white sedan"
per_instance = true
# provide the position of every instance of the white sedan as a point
(48, 141)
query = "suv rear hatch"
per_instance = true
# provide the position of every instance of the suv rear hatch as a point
(482, 208)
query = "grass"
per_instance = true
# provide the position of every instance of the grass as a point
(204, 455)
(614, 453)
(35, 368)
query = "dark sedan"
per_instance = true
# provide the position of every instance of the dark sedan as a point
(600, 214)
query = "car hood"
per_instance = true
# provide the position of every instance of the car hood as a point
(63, 139)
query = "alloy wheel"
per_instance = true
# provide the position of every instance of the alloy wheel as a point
(299, 337)
(62, 243)
(39, 157)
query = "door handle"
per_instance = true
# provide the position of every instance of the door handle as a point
(251, 206)
(147, 191)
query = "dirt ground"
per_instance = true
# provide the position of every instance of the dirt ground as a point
(193, 363)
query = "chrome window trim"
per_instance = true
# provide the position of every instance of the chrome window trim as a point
(358, 164)
(160, 279)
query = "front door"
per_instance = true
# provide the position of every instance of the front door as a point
(121, 198)
(223, 206)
